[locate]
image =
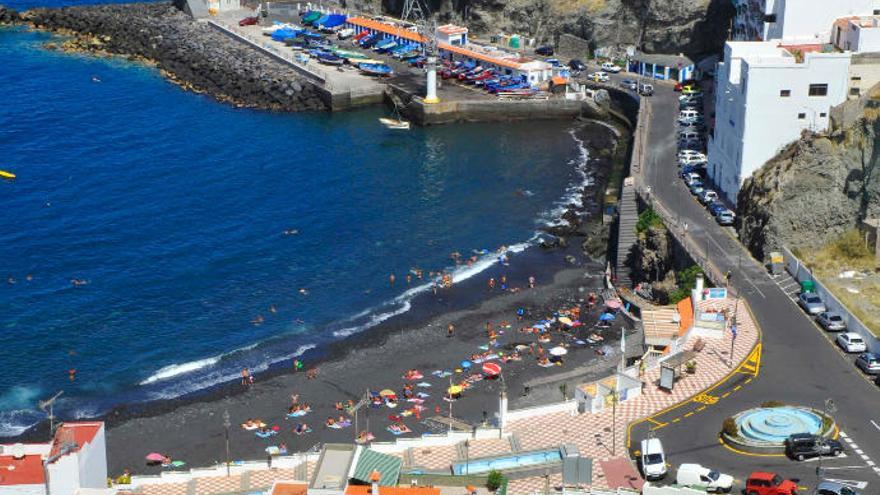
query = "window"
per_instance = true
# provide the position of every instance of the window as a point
(784, 93)
(876, 11)
(855, 78)
(823, 115)
(802, 116)
(854, 91)
(818, 90)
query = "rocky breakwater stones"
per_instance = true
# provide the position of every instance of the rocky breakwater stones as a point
(8, 16)
(191, 54)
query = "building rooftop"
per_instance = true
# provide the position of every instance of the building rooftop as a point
(27, 470)
(664, 60)
(452, 29)
(289, 488)
(73, 433)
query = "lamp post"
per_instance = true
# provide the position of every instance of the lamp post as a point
(828, 407)
(613, 396)
(227, 424)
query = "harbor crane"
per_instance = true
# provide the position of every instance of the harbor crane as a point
(417, 12)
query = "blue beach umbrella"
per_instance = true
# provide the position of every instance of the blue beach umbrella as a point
(466, 364)
(607, 317)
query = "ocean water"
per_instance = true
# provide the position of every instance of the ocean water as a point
(170, 209)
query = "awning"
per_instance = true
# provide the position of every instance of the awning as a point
(388, 467)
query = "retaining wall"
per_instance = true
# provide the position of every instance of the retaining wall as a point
(447, 112)
(800, 272)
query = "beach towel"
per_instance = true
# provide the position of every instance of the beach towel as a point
(422, 395)
(266, 434)
(546, 365)
(441, 373)
(488, 357)
(414, 376)
(297, 414)
(340, 425)
(423, 384)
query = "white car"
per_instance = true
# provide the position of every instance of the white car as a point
(598, 77)
(653, 459)
(703, 478)
(690, 153)
(609, 67)
(851, 342)
(696, 158)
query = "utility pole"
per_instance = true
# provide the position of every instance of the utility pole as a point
(227, 424)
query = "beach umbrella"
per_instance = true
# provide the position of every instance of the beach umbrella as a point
(558, 351)
(565, 320)
(155, 457)
(466, 364)
(613, 303)
(387, 393)
(273, 450)
(454, 390)
(275, 428)
(607, 317)
(178, 464)
(491, 368)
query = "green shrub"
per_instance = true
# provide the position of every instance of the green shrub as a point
(495, 480)
(851, 246)
(773, 403)
(647, 219)
(729, 427)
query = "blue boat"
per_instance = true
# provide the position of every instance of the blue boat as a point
(330, 58)
(375, 69)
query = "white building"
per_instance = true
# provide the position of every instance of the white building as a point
(857, 34)
(766, 96)
(75, 459)
(794, 21)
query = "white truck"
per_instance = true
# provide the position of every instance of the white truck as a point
(697, 476)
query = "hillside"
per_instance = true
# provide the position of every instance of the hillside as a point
(816, 189)
(664, 26)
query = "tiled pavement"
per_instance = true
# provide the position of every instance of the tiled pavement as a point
(592, 433)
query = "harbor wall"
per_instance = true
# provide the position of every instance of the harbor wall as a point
(447, 112)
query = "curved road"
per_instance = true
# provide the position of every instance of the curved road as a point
(799, 365)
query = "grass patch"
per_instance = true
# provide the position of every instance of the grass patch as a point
(860, 295)
(647, 219)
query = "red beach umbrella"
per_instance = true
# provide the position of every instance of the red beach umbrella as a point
(275, 428)
(491, 369)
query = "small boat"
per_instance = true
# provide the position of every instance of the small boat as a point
(330, 59)
(375, 69)
(394, 123)
(9, 175)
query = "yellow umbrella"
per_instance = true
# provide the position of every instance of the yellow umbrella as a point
(387, 392)
(565, 320)
(454, 390)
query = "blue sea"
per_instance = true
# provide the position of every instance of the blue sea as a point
(156, 241)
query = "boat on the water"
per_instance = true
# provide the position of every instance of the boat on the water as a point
(9, 175)
(394, 123)
(375, 69)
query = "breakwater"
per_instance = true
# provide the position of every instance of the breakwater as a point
(189, 53)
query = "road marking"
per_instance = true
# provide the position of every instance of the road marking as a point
(724, 395)
(875, 424)
(737, 387)
(858, 485)
(688, 414)
(741, 452)
(844, 435)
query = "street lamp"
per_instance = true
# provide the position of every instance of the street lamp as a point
(829, 407)
(613, 396)
(227, 424)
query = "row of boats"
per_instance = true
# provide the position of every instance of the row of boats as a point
(499, 84)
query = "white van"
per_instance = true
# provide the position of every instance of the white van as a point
(653, 459)
(689, 135)
(688, 113)
(697, 476)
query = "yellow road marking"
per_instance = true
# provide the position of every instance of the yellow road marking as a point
(701, 408)
(724, 395)
(737, 387)
(740, 452)
(658, 423)
(676, 420)
(688, 414)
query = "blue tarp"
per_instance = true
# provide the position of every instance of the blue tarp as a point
(332, 21)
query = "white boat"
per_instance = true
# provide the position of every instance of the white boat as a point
(394, 123)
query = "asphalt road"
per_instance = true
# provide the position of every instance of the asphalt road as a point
(799, 364)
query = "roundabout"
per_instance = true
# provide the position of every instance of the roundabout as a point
(763, 430)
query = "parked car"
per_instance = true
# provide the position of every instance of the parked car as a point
(834, 488)
(708, 196)
(544, 51)
(696, 187)
(577, 65)
(653, 459)
(696, 158)
(646, 90)
(811, 303)
(248, 21)
(716, 208)
(684, 153)
(765, 483)
(610, 67)
(629, 84)
(831, 321)
(869, 362)
(803, 445)
(725, 217)
(703, 478)
(598, 76)
(851, 342)
(690, 177)
(691, 144)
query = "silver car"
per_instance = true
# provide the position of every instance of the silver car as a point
(811, 303)
(869, 363)
(832, 488)
(831, 321)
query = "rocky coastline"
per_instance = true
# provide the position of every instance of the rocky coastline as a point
(190, 54)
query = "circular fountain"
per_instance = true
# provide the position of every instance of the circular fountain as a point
(764, 429)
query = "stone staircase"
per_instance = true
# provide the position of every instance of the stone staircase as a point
(628, 215)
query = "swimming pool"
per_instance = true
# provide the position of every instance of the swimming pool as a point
(525, 459)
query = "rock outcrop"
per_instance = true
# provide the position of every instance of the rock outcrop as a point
(662, 26)
(191, 54)
(817, 188)
(8, 16)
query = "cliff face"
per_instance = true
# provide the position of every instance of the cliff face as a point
(814, 190)
(665, 26)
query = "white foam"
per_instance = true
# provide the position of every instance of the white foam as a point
(573, 194)
(173, 370)
(16, 422)
(374, 320)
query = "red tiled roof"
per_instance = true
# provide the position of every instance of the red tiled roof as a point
(79, 433)
(391, 490)
(25, 471)
(386, 28)
(452, 29)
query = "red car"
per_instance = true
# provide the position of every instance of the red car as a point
(762, 483)
(248, 21)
